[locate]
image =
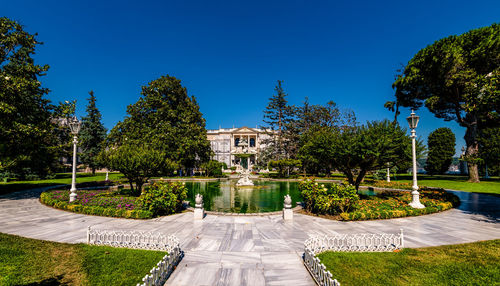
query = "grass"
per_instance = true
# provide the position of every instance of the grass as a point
(463, 264)
(25, 261)
(455, 182)
(61, 178)
(451, 182)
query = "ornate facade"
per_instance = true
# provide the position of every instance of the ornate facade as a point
(233, 145)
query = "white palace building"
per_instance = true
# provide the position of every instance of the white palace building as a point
(232, 145)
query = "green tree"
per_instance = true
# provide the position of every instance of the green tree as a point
(277, 116)
(137, 161)
(441, 144)
(489, 148)
(457, 78)
(170, 120)
(92, 135)
(284, 166)
(25, 113)
(316, 150)
(370, 147)
(213, 168)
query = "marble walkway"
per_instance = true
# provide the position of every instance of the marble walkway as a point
(251, 250)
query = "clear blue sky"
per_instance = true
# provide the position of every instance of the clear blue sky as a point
(229, 54)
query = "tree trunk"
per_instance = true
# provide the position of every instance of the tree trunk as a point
(131, 186)
(472, 152)
(138, 187)
(350, 177)
(93, 171)
(360, 178)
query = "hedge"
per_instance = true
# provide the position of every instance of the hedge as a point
(93, 210)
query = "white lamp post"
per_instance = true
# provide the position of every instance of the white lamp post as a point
(74, 125)
(413, 122)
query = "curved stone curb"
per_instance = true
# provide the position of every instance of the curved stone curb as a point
(295, 209)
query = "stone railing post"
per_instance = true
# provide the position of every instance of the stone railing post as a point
(199, 212)
(287, 208)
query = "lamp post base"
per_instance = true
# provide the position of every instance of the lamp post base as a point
(72, 196)
(415, 202)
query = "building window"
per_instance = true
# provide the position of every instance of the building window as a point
(252, 142)
(236, 141)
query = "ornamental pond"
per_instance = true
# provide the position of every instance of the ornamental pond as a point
(225, 196)
(264, 196)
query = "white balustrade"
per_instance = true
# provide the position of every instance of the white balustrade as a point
(347, 242)
(142, 240)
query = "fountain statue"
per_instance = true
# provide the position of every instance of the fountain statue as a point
(244, 178)
(244, 173)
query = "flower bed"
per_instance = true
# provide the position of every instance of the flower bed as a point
(342, 202)
(96, 202)
(160, 198)
(394, 204)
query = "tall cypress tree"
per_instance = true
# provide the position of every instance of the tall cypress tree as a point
(277, 116)
(441, 144)
(92, 135)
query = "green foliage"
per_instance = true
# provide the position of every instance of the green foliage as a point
(213, 168)
(169, 120)
(441, 144)
(357, 150)
(285, 166)
(316, 150)
(47, 198)
(278, 115)
(457, 78)
(394, 204)
(489, 149)
(92, 135)
(25, 125)
(321, 200)
(137, 162)
(163, 198)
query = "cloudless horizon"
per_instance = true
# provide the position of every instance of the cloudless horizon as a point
(229, 54)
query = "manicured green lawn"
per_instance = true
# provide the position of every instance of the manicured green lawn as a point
(61, 178)
(455, 182)
(463, 264)
(25, 261)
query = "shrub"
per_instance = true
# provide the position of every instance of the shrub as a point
(163, 198)
(321, 200)
(285, 166)
(213, 168)
(59, 200)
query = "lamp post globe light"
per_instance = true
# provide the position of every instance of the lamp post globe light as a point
(74, 126)
(413, 122)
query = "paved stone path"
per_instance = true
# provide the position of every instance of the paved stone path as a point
(251, 250)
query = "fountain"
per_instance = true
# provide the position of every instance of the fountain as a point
(244, 176)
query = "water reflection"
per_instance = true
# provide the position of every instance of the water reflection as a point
(226, 197)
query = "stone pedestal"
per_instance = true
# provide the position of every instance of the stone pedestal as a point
(199, 212)
(287, 208)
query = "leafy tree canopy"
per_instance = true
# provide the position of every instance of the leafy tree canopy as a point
(457, 78)
(170, 120)
(357, 150)
(137, 162)
(489, 148)
(25, 113)
(441, 144)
